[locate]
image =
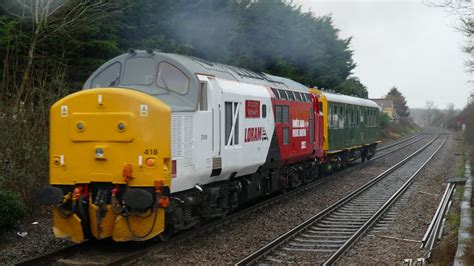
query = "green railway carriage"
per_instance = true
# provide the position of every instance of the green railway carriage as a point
(352, 127)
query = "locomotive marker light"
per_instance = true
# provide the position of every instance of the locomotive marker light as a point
(80, 126)
(150, 162)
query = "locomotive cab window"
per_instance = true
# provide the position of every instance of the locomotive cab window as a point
(108, 77)
(264, 111)
(171, 78)
(139, 71)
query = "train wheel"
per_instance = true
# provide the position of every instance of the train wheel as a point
(167, 234)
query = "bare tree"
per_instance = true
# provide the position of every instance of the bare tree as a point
(50, 18)
(465, 10)
(430, 107)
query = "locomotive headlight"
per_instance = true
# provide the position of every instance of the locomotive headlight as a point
(121, 126)
(80, 126)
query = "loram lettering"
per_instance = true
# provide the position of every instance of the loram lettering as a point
(255, 134)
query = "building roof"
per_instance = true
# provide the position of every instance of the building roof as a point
(384, 103)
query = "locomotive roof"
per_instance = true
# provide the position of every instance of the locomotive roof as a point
(190, 67)
(201, 66)
(341, 98)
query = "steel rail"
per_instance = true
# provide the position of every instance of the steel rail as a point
(293, 232)
(431, 235)
(398, 142)
(399, 147)
(382, 210)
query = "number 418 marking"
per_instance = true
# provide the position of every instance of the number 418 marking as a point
(151, 152)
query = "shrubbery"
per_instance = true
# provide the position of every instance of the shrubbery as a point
(11, 209)
(395, 129)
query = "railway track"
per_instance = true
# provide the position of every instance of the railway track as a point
(399, 141)
(113, 253)
(393, 147)
(323, 238)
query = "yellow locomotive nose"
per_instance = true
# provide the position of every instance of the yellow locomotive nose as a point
(106, 145)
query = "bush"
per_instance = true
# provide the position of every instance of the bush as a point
(11, 210)
(384, 120)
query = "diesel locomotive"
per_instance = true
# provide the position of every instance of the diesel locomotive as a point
(157, 142)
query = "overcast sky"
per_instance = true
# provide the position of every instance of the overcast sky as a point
(405, 44)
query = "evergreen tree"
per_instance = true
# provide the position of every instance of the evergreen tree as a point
(399, 102)
(271, 36)
(353, 86)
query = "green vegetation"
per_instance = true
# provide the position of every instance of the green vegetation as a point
(399, 102)
(352, 86)
(401, 124)
(11, 210)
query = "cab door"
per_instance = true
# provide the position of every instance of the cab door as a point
(207, 123)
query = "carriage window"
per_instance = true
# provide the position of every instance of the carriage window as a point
(298, 97)
(264, 110)
(278, 114)
(108, 77)
(341, 117)
(291, 95)
(286, 135)
(369, 117)
(171, 78)
(283, 94)
(330, 117)
(286, 114)
(277, 95)
(139, 71)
